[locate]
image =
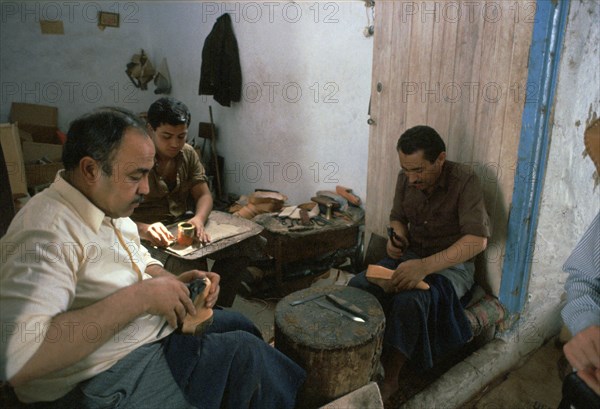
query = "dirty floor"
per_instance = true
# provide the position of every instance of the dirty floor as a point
(533, 385)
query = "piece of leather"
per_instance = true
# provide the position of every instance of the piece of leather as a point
(591, 140)
(262, 202)
(347, 194)
(380, 275)
(311, 208)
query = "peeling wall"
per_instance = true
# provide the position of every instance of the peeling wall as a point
(306, 72)
(569, 199)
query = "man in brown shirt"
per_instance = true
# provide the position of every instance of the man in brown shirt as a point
(439, 225)
(177, 181)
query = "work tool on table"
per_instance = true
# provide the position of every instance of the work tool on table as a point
(347, 306)
(341, 201)
(321, 221)
(307, 299)
(304, 219)
(327, 202)
(339, 311)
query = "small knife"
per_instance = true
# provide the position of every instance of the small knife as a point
(347, 306)
(340, 311)
(307, 299)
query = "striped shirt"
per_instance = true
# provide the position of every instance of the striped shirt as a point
(582, 309)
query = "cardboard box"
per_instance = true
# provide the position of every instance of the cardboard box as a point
(34, 151)
(41, 121)
(41, 173)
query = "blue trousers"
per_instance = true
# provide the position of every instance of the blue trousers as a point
(229, 366)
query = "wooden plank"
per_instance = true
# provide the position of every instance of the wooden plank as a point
(488, 130)
(419, 63)
(11, 147)
(439, 112)
(467, 65)
(384, 113)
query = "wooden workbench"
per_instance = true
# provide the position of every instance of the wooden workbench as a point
(287, 244)
(231, 255)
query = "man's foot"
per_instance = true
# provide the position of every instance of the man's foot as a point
(387, 389)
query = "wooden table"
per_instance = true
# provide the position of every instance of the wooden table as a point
(287, 245)
(231, 255)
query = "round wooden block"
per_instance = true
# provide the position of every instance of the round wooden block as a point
(338, 354)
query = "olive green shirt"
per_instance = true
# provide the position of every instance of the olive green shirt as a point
(164, 205)
(454, 209)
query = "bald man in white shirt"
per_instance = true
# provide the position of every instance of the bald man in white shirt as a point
(82, 303)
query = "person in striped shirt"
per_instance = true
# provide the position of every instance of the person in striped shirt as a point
(581, 313)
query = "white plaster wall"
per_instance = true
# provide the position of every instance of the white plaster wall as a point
(76, 72)
(306, 72)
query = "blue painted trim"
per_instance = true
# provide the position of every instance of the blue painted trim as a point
(544, 59)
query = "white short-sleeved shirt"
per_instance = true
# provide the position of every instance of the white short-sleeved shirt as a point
(61, 253)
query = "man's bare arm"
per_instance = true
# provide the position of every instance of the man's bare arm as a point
(411, 272)
(396, 248)
(204, 203)
(156, 233)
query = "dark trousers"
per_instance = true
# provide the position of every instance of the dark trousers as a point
(228, 367)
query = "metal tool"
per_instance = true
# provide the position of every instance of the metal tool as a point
(307, 299)
(340, 311)
(393, 237)
(196, 287)
(321, 221)
(347, 306)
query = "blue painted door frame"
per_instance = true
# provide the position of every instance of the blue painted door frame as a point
(544, 58)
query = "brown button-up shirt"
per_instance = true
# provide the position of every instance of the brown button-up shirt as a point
(164, 205)
(436, 221)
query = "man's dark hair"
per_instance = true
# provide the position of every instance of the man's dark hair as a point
(98, 135)
(168, 111)
(421, 138)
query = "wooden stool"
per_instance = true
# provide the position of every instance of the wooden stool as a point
(338, 354)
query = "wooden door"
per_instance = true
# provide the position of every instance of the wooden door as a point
(461, 68)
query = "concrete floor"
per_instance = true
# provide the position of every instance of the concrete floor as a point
(535, 384)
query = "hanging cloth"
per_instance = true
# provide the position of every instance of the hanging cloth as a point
(140, 70)
(163, 79)
(221, 72)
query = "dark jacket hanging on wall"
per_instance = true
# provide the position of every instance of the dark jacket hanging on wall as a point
(221, 73)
